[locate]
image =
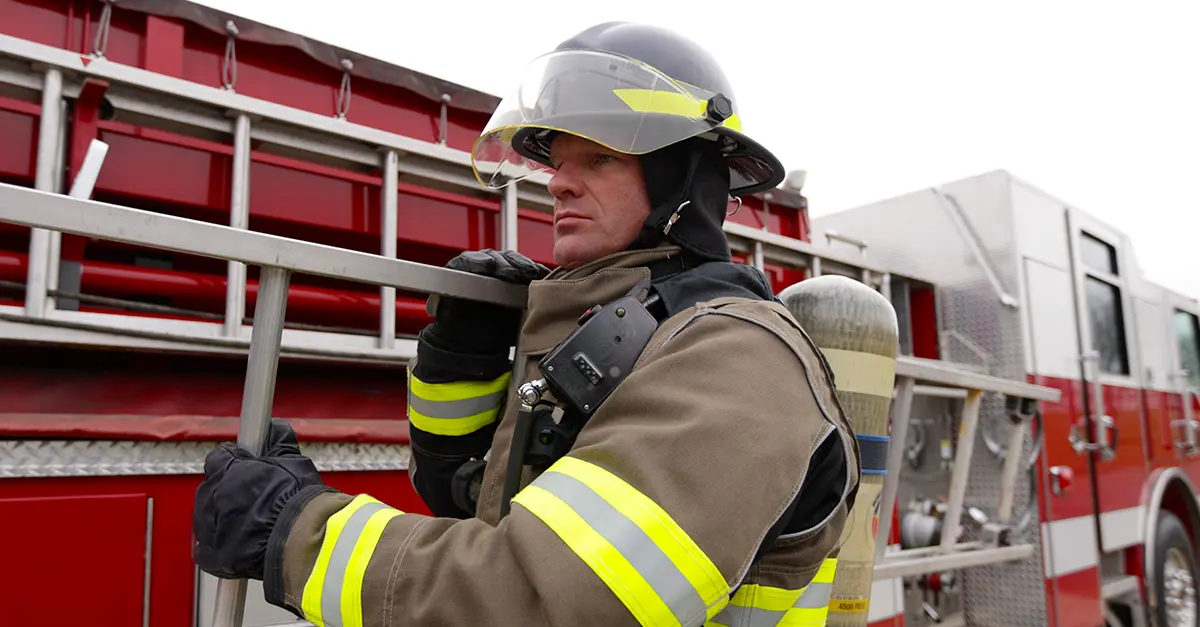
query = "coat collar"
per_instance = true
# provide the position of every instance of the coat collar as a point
(557, 301)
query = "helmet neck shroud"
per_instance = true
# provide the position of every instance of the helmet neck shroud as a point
(690, 178)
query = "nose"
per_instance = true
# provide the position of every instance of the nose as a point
(564, 183)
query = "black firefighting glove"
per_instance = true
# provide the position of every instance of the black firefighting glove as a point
(472, 338)
(241, 498)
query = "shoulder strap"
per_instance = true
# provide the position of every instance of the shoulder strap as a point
(680, 283)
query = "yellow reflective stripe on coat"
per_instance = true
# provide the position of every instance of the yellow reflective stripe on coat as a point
(332, 595)
(754, 605)
(455, 408)
(629, 542)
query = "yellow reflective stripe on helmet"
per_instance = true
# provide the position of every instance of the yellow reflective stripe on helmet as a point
(670, 103)
(629, 542)
(332, 596)
(755, 605)
(455, 408)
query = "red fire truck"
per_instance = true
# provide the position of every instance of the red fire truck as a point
(1043, 436)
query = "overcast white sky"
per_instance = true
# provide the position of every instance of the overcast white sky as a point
(1097, 103)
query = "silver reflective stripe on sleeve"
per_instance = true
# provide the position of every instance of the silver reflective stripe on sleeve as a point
(464, 408)
(629, 542)
(455, 407)
(755, 605)
(646, 557)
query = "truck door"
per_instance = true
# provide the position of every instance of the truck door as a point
(1110, 429)
(1180, 442)
(1069, 512)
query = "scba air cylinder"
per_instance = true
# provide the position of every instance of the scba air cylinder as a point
(856, 330)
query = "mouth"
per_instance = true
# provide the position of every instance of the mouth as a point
(568, 215)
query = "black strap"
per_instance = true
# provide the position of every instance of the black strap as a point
(663, 269)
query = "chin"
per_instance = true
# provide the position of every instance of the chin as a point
(570, 252)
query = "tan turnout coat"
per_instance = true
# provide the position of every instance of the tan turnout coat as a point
(654, 517)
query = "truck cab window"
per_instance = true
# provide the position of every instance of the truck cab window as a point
(1108, 325)
(1187, 332)
(1103, 297)
(1097, 255)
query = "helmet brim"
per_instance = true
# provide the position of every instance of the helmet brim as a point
(752, 168)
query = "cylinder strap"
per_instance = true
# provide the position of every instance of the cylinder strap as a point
(874, 452)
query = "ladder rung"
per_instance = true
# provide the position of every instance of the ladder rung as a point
(904, 563)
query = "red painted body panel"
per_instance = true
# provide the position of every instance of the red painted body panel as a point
(1077, 603)
(46, 535)
(1160, 409)
(53, 380)
(104, 518)
(1057, 420)
(923, 310)
(1140, 448)
(19, 128)
(1051, 604)
(1122, 477)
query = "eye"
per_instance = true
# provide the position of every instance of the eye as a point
(603, 158)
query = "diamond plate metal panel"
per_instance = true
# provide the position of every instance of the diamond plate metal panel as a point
(916, 234)
(82, 458)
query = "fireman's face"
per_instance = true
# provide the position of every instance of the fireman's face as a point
(600, 200)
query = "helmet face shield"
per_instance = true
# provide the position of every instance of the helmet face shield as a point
(617, 102)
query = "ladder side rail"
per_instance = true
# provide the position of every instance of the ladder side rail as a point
(258, 396)
(37, 209)
(948, 375)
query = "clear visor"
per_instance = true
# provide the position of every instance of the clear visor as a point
(615, 101)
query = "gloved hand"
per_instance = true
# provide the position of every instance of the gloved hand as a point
(476, 328)
(240, 499)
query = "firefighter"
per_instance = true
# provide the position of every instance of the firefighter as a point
(710, 487)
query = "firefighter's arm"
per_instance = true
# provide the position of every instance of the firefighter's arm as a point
(657, 512)
(452, 413)
(458, 380)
